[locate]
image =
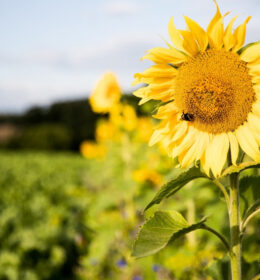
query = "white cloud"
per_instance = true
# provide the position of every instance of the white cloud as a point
(118, 8)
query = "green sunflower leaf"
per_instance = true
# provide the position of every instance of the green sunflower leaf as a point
(175, 185)
(158, 231)
(240, 167)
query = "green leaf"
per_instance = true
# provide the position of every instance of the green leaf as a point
(175, 185)
(240, 167)
(158, 231)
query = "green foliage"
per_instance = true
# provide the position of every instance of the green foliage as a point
(43, 211)
(175, 185)
(159, 230)
(49, 202)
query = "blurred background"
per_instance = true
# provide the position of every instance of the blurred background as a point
(74, 180)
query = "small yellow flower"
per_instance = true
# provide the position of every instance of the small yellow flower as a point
(144, 129)
(124, 116)
(105, 131)
(106, 95)
(210, 87)
(92, 150)
(147, 175)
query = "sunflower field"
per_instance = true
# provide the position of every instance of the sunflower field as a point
(72, 216)
(168, 191)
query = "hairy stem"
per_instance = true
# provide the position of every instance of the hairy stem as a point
(234, 221)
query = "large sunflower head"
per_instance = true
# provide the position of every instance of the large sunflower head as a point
(106, 94)
(209, 88)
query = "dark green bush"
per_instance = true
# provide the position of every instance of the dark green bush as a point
(46, 137)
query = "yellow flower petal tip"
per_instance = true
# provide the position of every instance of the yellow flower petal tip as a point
(208, 85)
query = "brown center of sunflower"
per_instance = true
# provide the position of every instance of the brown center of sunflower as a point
(216, 89)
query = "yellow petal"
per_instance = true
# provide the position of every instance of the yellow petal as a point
(202, 144)
(254, 70)
(216, 35)
(256, 80)
(247, 142)
(154, 72)
(185, 144)
(214, 19)
(189, 42)
(160, 70)
(234, 148)
(229, 39)
(165, 111)
(158, 134)
(204, 162)
(196, 150)
(199, 34)
(251, 54)
(240, 34)
(256, 108)
(257, 92)
(165, 56)
(175, 35)
(254, 125)
(179, 132)
(217, 153)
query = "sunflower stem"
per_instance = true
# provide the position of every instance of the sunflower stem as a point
(234, 220)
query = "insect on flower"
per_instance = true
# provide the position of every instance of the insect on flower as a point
(187, 117)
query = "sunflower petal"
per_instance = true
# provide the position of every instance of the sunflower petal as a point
(199, 34)
(234, 148)
(185, 144)
(217, 34)
(179, 132)
(247, 142)
(189, 42)
(254, 70)
(256, 108)
(214, 20)
(160, 131)
(240, 34)
(165, 56)
(217, 153)
(196, 150)
(229, 39)
(253, 123)
(251, 54)
(175, 35)
(166, 110)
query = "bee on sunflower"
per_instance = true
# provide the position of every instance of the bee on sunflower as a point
(208, 85)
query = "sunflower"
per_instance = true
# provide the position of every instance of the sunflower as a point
(209, 88)
(106, 94)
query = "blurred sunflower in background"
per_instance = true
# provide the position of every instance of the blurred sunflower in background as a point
(209, 88)
(106, 94)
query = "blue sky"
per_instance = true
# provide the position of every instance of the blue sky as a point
(55, 50)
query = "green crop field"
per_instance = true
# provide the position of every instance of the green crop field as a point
(66, 217)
